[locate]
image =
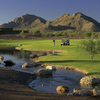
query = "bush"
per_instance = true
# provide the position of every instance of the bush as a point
(1, 30)
(47, 35)
(24, 36)
(22, 32)
(70, 35)
(95, 35)
(87, 34)
(77, 33)
(58, 33)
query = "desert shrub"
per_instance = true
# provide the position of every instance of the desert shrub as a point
(17, 30)
(95, 35)
(47, 35)
(24, 36)
(22, 32)
(87, 34)
(70, 35)
(58, 33)
(1, 30)
(64, 33)
(37, 32)
(91, 46)
(77, 33)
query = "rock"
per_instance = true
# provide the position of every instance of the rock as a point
(96, 92)
(76, 89)
(51, 67)
(1, 58)
(33, 55)
(29, 65)
(54, 53)
(9, 63)
(43, 72)
(62, 89)
(90, 80)
(44, 54)
(81, 92)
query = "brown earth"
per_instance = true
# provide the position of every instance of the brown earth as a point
(14, 86)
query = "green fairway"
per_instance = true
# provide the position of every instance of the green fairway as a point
(73, 57)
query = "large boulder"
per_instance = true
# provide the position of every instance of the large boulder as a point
(29, 65)
(62, 89)
(1, 58)
(43, 72)
(89, 80)
(9, 63)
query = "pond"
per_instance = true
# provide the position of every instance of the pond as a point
(63, 77)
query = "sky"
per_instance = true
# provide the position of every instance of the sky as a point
(47, 9)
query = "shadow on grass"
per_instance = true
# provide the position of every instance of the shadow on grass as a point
(65, 61)
(94, 73)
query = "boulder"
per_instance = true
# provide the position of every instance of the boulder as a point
(51, 67)
(29, 65)
(9, 63)
(1, 58)
(81, 92)
(90, 80)
(33, 55)
(43, 72)
(62, 89)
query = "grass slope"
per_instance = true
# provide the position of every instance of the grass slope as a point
(74, 57)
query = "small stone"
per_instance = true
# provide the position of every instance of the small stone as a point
(96, 92)
(42, 85)
(1, 58)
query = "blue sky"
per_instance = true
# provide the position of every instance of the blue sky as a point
(47, 9)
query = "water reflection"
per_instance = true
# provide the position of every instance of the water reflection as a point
(18, 57)
(63, 77)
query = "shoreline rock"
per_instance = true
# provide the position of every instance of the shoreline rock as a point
(89, 80)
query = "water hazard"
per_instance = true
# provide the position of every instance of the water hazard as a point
(63, 77)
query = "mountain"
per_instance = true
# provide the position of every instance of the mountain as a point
(69, 23)
(78, 22)
(25, 21)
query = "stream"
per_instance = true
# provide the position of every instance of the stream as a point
(62, 77)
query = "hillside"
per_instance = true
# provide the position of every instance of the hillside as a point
(69, 23)
(78, 22)
(25, 21)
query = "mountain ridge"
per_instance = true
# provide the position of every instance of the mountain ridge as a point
(66, 22)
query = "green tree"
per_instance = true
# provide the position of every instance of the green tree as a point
(37, 32)
(87, 34)
(92, 47)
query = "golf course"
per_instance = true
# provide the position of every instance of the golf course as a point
(71, 56)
